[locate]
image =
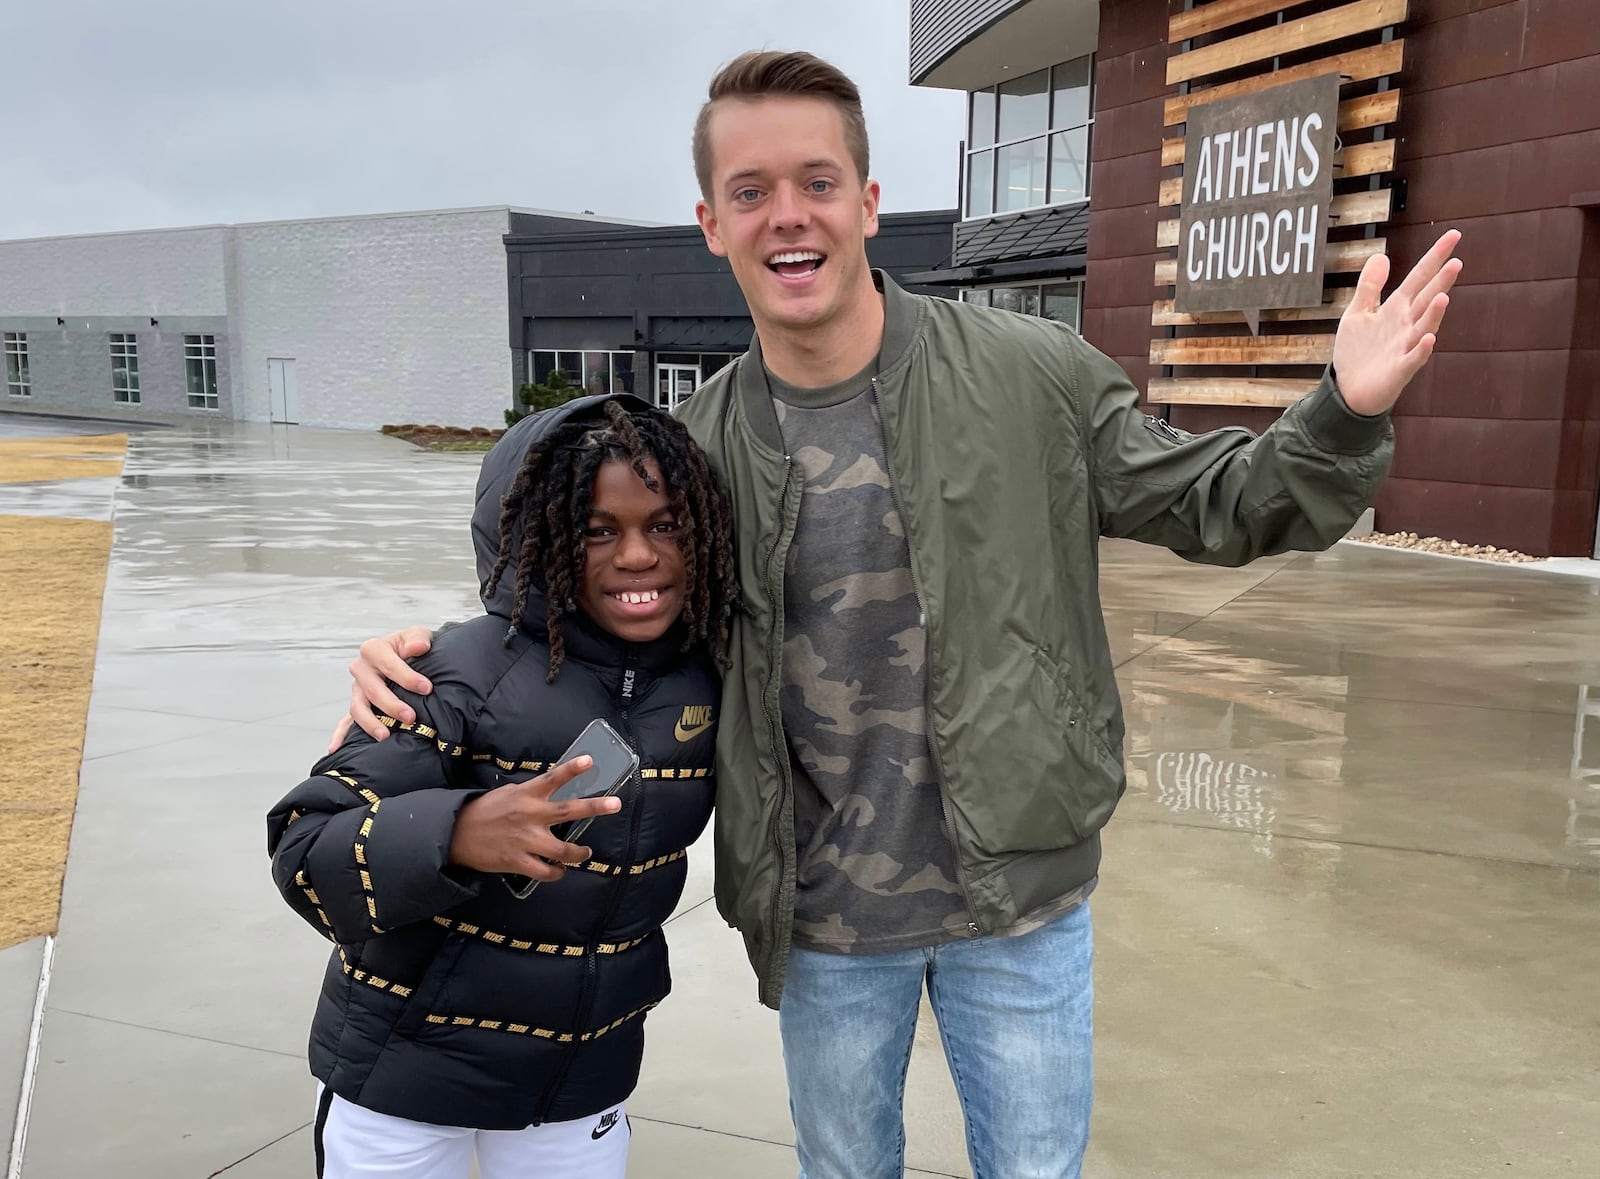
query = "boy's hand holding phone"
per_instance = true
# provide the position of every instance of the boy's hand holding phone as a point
(508, 829)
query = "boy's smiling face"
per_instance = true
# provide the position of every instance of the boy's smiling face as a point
(633, 571)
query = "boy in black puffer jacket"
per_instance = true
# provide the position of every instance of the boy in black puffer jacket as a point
(454, 1018)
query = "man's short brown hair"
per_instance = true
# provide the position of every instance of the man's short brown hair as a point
(765, 74)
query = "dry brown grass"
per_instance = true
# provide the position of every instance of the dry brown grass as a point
(88, 456)
(52, 576)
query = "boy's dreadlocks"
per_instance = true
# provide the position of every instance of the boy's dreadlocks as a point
(549, 504)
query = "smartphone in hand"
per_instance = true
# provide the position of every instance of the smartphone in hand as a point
(615, 762)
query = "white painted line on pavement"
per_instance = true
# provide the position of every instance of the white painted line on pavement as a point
(19, 1136)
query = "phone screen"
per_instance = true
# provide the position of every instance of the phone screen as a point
(614, 763)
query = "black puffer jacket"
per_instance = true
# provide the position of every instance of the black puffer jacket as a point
(447, 1000)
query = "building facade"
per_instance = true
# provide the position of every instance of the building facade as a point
(1495, 130)
(352, 322)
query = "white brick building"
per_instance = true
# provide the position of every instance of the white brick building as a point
(345, 321)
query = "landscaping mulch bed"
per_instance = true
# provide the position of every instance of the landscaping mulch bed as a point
(445, 437)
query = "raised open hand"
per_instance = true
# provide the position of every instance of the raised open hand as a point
(1383, 343)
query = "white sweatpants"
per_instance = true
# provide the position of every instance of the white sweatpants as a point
(355, 1143)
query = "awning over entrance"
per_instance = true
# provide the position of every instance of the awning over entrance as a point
(1034, 244)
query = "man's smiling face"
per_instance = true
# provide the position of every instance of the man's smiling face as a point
(788, 209)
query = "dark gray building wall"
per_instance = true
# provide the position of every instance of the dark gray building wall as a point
(70, 367)
(523, 224)
(661, 290)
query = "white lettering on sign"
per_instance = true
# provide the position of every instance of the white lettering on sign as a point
(1234, 164)
(1251, 245)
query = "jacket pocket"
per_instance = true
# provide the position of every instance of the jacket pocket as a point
(425, 997)
(1092, 744)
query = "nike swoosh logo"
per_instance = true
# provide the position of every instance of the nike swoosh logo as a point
(689, 732)
(605, 1127)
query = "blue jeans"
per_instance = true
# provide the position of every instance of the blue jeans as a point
(1015, 1015)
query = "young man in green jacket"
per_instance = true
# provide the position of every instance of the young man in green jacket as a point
(921, 735)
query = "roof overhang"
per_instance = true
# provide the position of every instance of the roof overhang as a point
(1035, 34)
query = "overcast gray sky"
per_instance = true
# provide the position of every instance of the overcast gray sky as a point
(124, 115)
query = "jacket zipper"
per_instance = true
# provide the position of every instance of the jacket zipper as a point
(782, 915)
(927, 684)
(591, 964)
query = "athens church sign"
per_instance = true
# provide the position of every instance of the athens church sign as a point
(1257, 186)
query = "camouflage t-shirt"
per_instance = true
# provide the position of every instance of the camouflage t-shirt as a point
(877, 871)
(876, 867)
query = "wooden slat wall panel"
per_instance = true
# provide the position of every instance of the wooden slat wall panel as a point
(1222, 14)
(1290, 37)
(1359, 65)
(1163, 315)
(1310, 349)
(1356, 208)
(1190, 342)
(1355, 114)
(1228, 391)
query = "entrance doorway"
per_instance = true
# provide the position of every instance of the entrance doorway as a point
(674, 383)
(285, 396)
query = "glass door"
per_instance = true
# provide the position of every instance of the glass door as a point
(674, 383)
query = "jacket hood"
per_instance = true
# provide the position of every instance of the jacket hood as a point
(499, 471)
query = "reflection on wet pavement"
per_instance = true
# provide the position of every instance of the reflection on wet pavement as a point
(84, 499)
(1428, 707)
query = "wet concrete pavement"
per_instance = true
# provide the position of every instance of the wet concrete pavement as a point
(1349, 922)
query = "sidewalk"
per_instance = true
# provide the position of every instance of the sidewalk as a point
(1347, 924)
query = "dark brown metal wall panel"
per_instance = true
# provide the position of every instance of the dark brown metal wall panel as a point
(1129, 25)
(1507, 178)
(1560, 99)
(1572, 533)
(1120, 233)
(1489, 451)
(1426, 12)
(1511, 247)
(1127, 180)
(1197, 419)
(1578, 466)
(1505, 385)
(1120, 282)
(1499, 129)
(1138, 370)
(1497, 40)
(1130, 81)
(1509, 517)
(1513, 317)
(1125, 130)
(1122, 331)
(1133, 77)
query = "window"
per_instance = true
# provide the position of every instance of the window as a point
(1028, 140)
(18, 382)
(125, 368)
(587, 372)
(200, 369)
(1060, 301)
